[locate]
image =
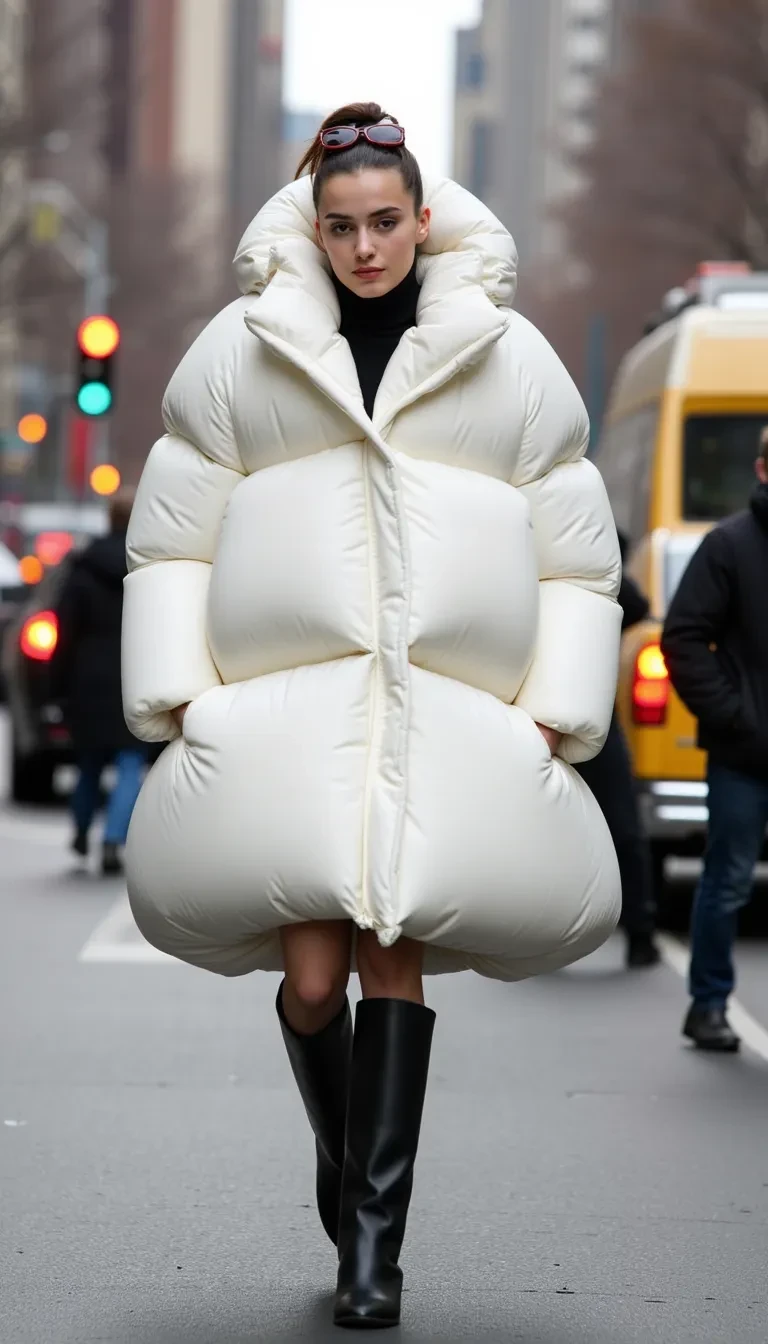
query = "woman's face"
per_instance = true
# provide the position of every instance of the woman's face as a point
(368, 227)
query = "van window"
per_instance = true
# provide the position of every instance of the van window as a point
(624, 458)
(719, 464)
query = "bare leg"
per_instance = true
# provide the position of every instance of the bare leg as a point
(390, 972)
(316, 958)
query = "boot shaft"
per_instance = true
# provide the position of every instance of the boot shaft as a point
(390, 1064)
(321, 1065)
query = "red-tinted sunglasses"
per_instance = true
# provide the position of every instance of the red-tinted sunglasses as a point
(342, 137)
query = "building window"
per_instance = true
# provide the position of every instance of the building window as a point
(473, 71)
(480, 158)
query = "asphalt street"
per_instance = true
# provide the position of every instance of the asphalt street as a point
(584, 1177)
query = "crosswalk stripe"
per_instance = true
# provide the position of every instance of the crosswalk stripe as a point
(116, 938)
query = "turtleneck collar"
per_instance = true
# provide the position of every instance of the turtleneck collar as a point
(390, 314)
(760, 506)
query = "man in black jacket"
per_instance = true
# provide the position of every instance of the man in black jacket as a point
(610, 778)
(716, 647)
(88, 683)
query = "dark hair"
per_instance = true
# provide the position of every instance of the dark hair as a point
(764, 447)
(322, 163)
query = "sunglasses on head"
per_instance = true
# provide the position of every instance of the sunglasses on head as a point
(342, 137)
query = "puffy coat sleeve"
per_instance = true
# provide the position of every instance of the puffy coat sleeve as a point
(180, 503)
(571, 684)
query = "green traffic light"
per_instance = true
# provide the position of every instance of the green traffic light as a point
(94, 399)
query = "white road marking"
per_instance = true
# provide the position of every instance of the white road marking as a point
(117, 938)
(676, 956)
(5, 753)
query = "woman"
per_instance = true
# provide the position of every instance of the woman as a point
(373, 598)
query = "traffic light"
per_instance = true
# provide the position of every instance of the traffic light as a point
(97, 340)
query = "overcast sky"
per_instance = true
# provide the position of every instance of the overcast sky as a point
(399, 53)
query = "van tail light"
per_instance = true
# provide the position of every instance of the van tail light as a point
(650, 688)
(39, 636)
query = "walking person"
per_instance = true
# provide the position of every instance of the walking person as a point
(87, 679)
(716, 647)
(610, 777)
(373, 598)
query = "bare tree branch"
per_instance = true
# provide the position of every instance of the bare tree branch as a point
(675, 173)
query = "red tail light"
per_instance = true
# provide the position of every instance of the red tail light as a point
(650, 689)
(40, 635)
(51, 547)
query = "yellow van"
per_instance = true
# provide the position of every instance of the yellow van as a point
(677, 454)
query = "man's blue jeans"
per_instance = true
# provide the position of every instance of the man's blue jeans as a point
(129, 765)
(738, 817)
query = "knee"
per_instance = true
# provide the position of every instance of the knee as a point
(734, 898)
(727, 892)
(317, 990)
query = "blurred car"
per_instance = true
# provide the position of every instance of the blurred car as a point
(40, 537)
(40, 742)
(677, 454)
(12, 592)
(41, 533)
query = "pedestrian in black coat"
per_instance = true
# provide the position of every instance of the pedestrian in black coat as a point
(716, 647)
(87, 683)
(609, 776)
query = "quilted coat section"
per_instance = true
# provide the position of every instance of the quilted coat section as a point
(369, 616)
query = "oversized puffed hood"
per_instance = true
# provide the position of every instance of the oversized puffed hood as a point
(461, 224)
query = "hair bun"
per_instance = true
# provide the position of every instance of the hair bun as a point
(323, 164)
(352, 114)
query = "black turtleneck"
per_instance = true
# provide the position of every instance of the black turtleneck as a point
(374, 327)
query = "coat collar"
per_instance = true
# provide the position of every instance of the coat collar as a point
(466, 279)
(298, 317)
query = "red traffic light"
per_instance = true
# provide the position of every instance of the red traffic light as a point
(98, 337)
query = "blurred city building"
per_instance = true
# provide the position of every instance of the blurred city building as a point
(11, 217)
(256, 107)
(625, 10)
(299, 130)
(526, 84)
(197, 89)
(137, 140)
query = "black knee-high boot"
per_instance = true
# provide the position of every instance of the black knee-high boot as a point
(386, 1097)
(321, 1066)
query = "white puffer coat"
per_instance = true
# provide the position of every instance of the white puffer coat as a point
(368, 616)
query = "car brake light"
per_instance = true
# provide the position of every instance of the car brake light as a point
(51, 547)
(39, 636)
(650, 689)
